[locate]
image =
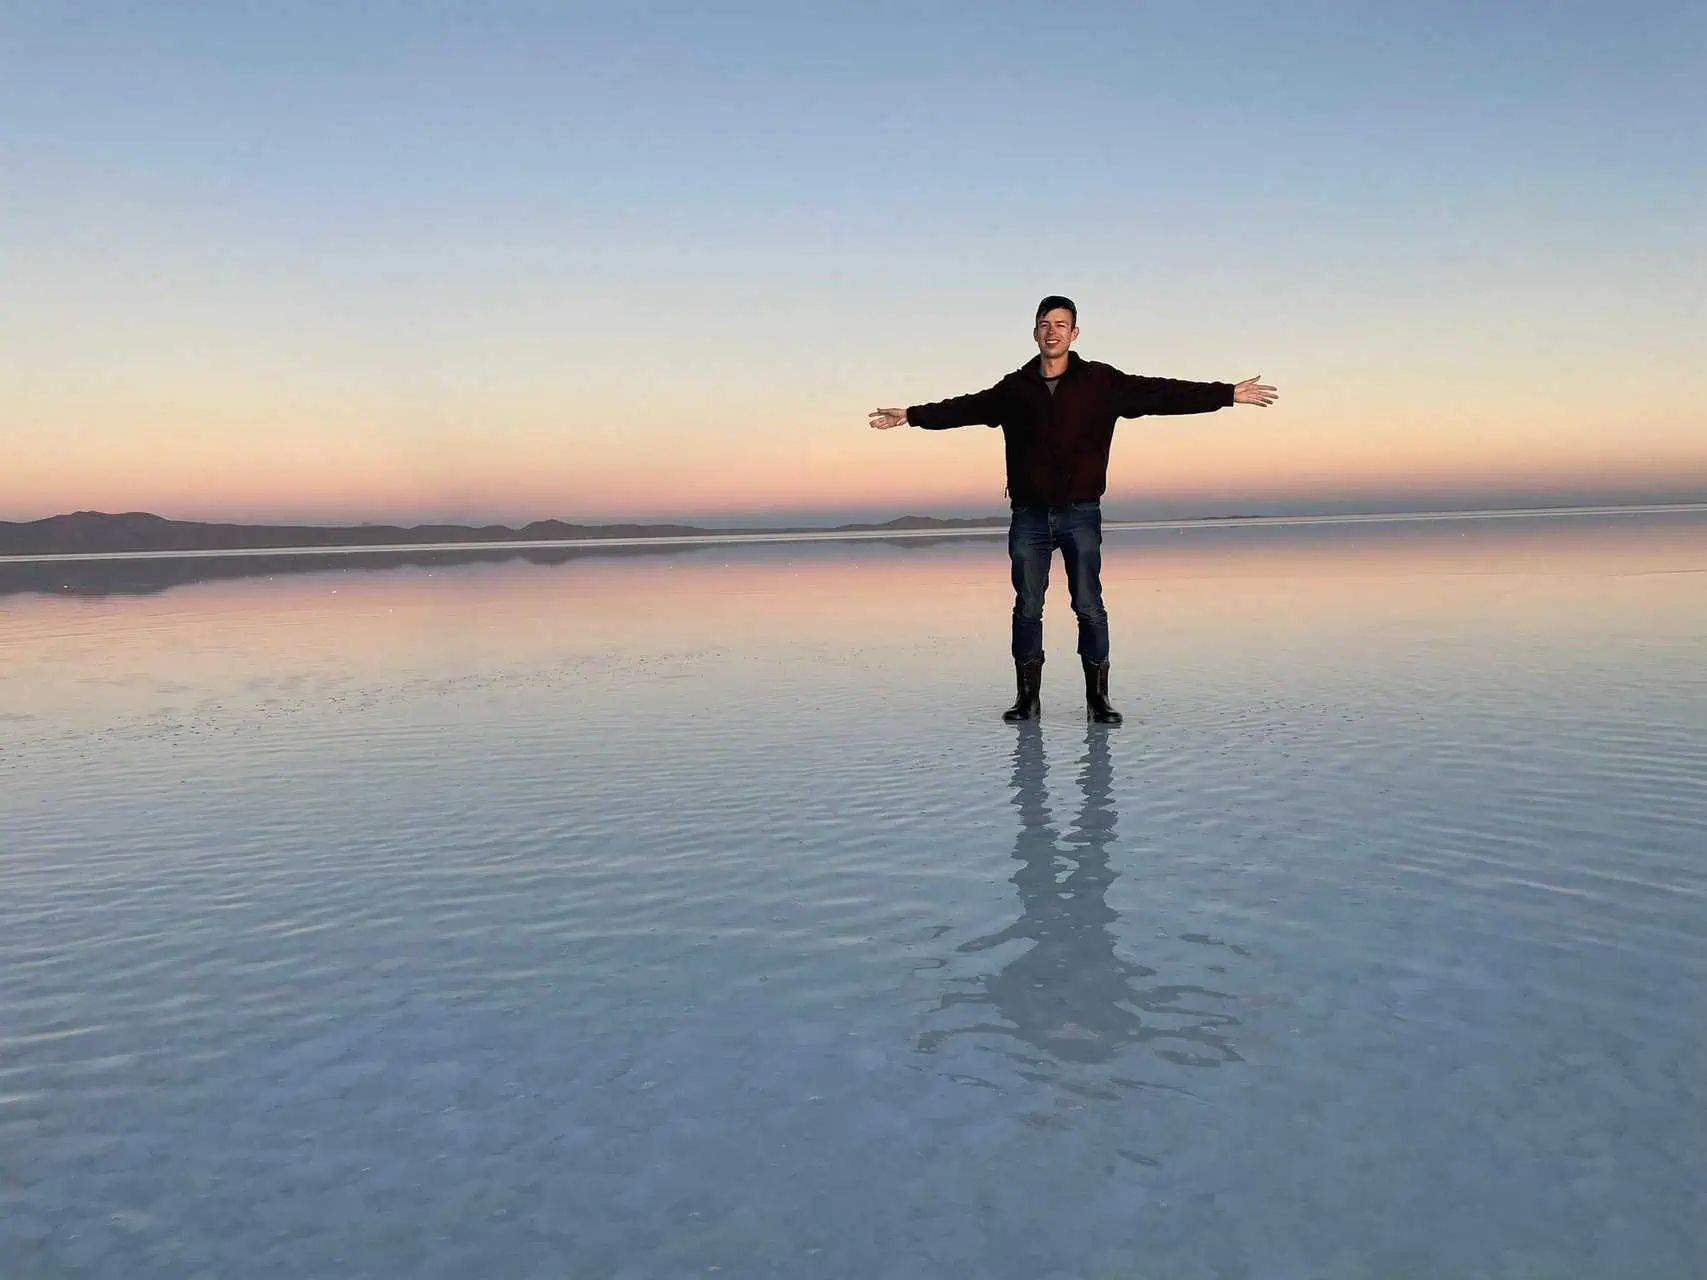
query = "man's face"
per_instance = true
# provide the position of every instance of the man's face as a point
(1055, 332)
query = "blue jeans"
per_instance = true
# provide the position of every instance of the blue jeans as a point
(1034, 533)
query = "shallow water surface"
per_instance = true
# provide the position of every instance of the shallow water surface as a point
(679, 912)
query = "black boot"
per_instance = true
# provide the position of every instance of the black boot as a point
(1030, 676)
(1096, 693)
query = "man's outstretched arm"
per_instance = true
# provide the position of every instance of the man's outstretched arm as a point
(1139, 395)
(981, 408)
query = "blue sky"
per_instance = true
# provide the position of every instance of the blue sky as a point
(397, 244)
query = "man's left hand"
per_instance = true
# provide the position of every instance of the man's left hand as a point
(1250, 391)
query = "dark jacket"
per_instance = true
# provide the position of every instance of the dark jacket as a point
(1057, 445)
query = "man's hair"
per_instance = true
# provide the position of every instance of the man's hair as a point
(1053, 301)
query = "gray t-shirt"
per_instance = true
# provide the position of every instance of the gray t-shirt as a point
(1050, 383)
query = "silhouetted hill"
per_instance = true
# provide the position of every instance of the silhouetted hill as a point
(96, 532)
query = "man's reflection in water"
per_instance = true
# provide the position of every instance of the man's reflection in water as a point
(1068, 993)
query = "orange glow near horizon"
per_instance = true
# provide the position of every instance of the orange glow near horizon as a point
(298, 483)
(344, 454)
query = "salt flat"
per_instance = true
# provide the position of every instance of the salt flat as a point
(644, 914)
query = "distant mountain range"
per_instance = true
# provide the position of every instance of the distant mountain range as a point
(96, 532)
(89, 533)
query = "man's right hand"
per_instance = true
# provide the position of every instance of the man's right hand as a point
(884, 419)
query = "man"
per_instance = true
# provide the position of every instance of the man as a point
(1057, 414)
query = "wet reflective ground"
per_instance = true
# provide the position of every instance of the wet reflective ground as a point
(652, 914)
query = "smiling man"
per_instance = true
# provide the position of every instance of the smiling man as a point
(1057, 414)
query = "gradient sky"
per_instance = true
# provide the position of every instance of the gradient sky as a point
(412, 260)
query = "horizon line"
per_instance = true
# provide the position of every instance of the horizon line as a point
(784, 521)
(713, 538)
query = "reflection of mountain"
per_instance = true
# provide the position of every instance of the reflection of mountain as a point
(1068, 994)
(73, 577)
(97, 533)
